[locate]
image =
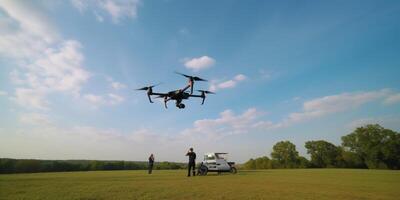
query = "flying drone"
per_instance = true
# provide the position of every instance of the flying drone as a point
(180, 94)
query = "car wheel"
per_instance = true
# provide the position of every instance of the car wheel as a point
(233, 170)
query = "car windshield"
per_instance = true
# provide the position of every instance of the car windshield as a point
(222, 156)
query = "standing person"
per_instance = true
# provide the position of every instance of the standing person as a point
(192, 161)
(151, 162)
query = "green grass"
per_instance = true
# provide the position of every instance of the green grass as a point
(266, 184)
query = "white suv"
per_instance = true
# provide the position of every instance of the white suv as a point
(216, 162)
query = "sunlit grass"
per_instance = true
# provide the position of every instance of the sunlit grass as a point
(266, 184)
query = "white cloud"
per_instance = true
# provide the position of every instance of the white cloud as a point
(36, 24)
(227, 84)
(116, 9)
(81, 5)
(98, 100)
(3, 93)
(57, 70)
(49, 141)
(22, 36)
(334, 103)
(60, 69)
(227, 124)
(31, 98)
(117, 85)
(391, 122)
(35, 119)
(215, 85)
(240, 77)
(46, 62)
(265, 74)
(392, 99)
(115, 99)
(99, 18)
(200, 63)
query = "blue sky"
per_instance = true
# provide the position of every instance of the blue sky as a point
(287, 70)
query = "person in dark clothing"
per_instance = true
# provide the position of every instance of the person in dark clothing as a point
(192, 161)
(151, 162)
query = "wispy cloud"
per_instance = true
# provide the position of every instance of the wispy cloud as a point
(115, 99)
(386, 121)
(31, 98)
(47, 63)
(99, 100)
(47, 140)
(251, 120)
(37, 119)
(116, 9)
(96, 100)
(266, 74)
(3, 93)
(110, 143)
(115, 84)
(215, 85)
(200, 63)
(392, 99)
(227, 124)
(335, 103)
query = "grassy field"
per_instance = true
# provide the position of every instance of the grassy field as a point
(266, 184)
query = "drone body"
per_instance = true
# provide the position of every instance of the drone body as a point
(178, 95)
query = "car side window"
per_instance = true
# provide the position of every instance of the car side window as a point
(209, 157)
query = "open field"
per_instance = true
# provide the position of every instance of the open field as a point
(265, 184)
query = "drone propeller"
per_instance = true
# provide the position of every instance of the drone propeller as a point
(203, 95)
(149, 90)
(148, 87)
(192, 78)
(206, 92)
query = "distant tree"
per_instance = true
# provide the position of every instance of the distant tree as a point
(323, 153)
(134, 165)
(27, 166)
(303, 162)
(376, 146)
(263, 163)
(285, 154)
(169, 165)
(94, 165)
(7, 165)
(348, 159)
(258, 163)
(250, 164)
(113, 165)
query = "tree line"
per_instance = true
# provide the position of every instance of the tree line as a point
(367, 147)
(31, 165)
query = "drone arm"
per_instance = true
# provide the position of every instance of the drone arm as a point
(148, 96)
(200, 96)
(159, 94)
(149, 93)
(193, 95)
(189, 85)
(185, 88)
(166, 99)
